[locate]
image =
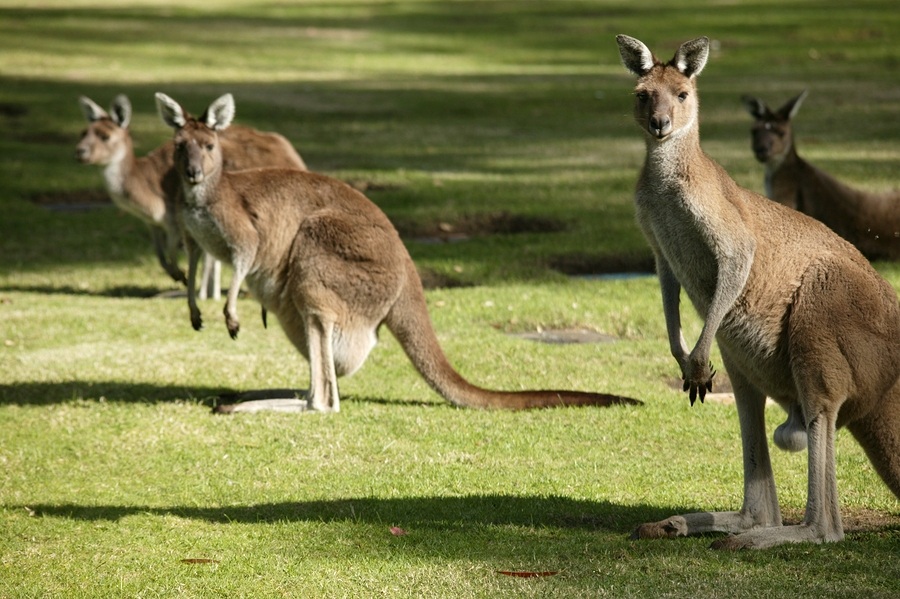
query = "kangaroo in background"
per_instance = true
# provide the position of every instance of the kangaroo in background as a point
(799, 314)
(148, 187)
(325, 260)
(868, 220)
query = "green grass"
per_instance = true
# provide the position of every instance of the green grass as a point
(112, 470)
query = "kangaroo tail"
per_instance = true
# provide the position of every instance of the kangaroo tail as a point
(410, 323)
(879, 434)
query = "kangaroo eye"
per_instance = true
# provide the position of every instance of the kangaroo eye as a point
(642, 96)
(682, 96)
(104, 137)
(210, 147)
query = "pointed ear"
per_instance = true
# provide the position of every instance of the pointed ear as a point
(636, 57)
(756, 107)
(170, 111)
(220, 113)
(120, 111)
(691, 57)
(791, 107)
(91, 111)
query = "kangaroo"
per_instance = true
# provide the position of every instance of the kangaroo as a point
(868, 220)
(326, 261)
(799, 314)
(148, 187)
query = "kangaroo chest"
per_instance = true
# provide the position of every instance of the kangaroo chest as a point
(680, 233)
(207, 230)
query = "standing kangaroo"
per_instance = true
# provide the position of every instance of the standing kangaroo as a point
(799, 314)
(148, 187)
(870, 221)
(325, 260)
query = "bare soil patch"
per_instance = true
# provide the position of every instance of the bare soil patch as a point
(588, 264)
(565, 336)
(73, 200)
(432, 279)
(471, 225)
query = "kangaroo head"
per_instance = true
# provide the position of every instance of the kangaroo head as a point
(198, 152)
(772, 134)
(665, 103)
(106, 137)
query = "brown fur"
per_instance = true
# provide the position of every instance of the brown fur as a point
(868, 220)
(326, 261)
(149, 187)
(799, 314)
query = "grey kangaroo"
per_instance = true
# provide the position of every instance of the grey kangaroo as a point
(326, 261)
(148, 187)
(799, 314)
(868, 220)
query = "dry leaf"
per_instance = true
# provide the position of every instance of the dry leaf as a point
(397, 531)
(528, 574)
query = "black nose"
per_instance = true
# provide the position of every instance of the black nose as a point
(660, 125)
(762, 152)
(194, 173)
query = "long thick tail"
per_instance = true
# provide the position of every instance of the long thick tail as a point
(410, 323)
(879, 435)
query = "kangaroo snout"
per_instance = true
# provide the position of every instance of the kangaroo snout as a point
(660, 126)
(194, 174)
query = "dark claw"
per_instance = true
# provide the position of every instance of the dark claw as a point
(693, 395)
(234, 332)
(687, 386)
(265, 324)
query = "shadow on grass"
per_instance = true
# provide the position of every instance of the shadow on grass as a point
(130, 291)
(43, 394)
(413, 513)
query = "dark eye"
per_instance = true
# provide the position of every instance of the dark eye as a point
(104, 137)
(209, 147)
(642, 96)
(682, 96)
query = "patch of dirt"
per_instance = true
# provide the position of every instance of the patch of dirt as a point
(470, 225)
(565, 336)
(78, 199)
(48, 138)
(855, 520)
(435, 280)
(587, 264)
(13, 110)
(365, 186)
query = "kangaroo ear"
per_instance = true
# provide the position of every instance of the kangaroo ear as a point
(91, 111)
(170, 111)
(756, 107)
(636, 57)
(691, 56)
(220, 113)
(791, 107)
(120, 111)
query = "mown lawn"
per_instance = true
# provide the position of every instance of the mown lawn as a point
(504, 125)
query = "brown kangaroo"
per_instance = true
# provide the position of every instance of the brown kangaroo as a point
(799, 314)
(326, 261)
(868, 220)
(148, 187)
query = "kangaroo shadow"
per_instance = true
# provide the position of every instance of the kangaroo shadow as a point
(44, 394)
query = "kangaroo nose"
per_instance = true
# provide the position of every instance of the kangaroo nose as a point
(194, 173)
(660, 125)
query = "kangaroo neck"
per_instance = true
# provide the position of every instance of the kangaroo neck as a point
(120, 169)
(781, 178)
(671, 160)
(206, 192)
